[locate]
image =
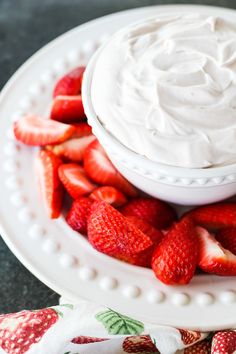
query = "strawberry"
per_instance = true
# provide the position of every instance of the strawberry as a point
(175, 258)
(224, 343)
(213, 258)
(78, 214)
(81, 129)
(34, 130)
(214, 216)
(67, 109)
(70, 84)
(87, 340)
(20, 331)
(51, 189)
(100, 169)
(75, 180)
(139, 344)
(143, 259)
(72, 149)
(154, 211)
(227, 238)
(108, 194)
(111, 233)
(203, 347)
(189, 337)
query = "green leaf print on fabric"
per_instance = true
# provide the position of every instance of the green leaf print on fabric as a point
(115, 323)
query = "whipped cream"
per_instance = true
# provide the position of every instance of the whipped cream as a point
(166, 89)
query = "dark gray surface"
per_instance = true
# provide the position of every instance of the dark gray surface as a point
(25, 26)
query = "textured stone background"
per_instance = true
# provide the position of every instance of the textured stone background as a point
(25, 26)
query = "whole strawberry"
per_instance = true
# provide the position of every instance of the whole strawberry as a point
(78, 214)
(224, 343)
(139, 344)
(203, 347)
(175, 258)
(18, 332)
(189, 337)
(111, 233)
(156, 212)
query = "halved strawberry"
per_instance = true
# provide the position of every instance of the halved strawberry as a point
(111, 233)
(213, 258)
(100, 169)
(75, 180)
(143, 259)
(81, 129)
(227, 238)
(72, 149)
(34, 130)
(70, 84)
(47, 165)
(67, 109)
(175, 258)
(156, 212)
(110, 195)
(78, 214)
(214, 216)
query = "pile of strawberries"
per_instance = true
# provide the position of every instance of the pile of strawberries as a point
(106, 208)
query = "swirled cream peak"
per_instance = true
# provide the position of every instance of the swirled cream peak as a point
(166, 89)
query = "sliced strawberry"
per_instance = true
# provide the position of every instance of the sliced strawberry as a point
(213, 258)
(81, 129)
(224, 342)
(34, 130)
(100, 169)
(70, 84)
(214, 216)
(110, 195)
(143, 259)
(47, 165)
(175, 258)
(75, 180)
(156, 212)
(227, 238)
(111, 233)
(78, 214)
(67, 109)
(72, 149)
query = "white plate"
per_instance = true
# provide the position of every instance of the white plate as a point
(55, 254)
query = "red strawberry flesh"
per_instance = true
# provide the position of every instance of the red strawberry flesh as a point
(75, 180)
(37, 131)
(51, 189)
(70, 84)
(110, 195)
(78, 214)
(100, 169)
(67, 109)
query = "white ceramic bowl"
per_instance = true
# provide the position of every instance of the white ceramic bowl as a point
(173, 184)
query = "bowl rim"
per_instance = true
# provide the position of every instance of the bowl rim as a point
(129, 157)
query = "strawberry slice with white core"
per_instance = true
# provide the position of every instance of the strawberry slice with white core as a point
(100, 169)
(70, 84)
(67, 109)
(214, 258)
(51, 189)
(37, 131)
(72, 149)
(75, 180)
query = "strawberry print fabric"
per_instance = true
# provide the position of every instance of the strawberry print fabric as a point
(86, 328)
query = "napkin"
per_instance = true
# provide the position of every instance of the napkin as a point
(86, 328)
